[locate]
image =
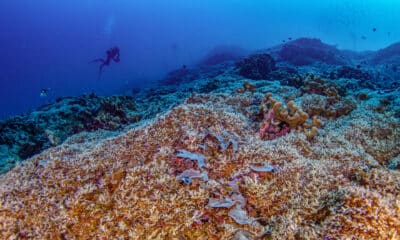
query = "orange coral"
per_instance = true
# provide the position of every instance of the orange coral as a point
(291, 115)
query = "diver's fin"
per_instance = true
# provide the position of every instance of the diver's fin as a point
(97, 60)
(100, 70)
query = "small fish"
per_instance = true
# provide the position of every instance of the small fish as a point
(289, 38)
(283, 41)
(374, 29)
(363, 37)
(44, 92)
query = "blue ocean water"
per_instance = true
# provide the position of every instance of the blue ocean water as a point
(47, 44)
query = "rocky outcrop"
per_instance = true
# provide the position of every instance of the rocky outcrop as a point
(257, 66)
(306, 51)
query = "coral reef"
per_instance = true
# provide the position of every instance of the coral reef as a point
(50, 125)
(305, 51)
(323, 98)
(191, 161)
(388, 55)
(131, 186)
(246, 87)
(257, 66)
(379, 136)
(287, 76)
(318, 105)
(316, 85)
(350, 72)
(222, 54)
(179, 76)
(278, 121)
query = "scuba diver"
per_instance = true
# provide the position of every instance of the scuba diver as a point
(112, 54)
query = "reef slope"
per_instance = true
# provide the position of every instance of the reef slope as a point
(127, 186)
(203, 169)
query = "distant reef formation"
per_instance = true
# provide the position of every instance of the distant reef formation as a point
(305, 51)
(299, 141)
(389, 55)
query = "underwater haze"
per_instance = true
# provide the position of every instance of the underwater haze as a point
(48, 44)
(200, 119)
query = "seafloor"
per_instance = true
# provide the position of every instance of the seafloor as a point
(299, 141)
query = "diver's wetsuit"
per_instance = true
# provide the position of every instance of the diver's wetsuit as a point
(112, 54)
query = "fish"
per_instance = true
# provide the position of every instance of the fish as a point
(44, 92)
